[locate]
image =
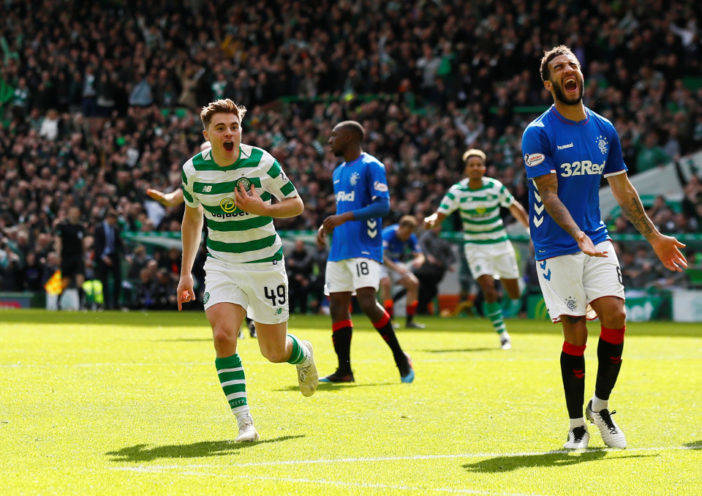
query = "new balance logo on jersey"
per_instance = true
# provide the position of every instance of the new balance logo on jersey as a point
(344, 196)
(581, 168)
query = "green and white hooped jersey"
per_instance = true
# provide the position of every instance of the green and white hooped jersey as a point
(480, 210)
(235, 236)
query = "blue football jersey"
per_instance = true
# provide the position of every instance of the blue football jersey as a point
(394, 248)
(579, 153)
(356, 185)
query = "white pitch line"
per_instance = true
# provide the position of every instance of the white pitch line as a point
(339, 483)
(155, 468)
(446, 456)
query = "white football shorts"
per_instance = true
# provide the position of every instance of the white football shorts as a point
(496, 259)
(570, 282)
(260, 288)
(351, 274)
(395, 277)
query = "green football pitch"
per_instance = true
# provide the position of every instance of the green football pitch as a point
(129, 403)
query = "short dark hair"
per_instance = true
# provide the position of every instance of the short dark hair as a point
(549, 56)
(355, 127)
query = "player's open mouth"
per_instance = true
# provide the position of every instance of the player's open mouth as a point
(228, 145)
(570, 84)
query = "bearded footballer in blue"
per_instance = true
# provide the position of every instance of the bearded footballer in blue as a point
(362, 199)
(566, 152)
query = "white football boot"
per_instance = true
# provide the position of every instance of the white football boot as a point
(578, 438)
(247, 431)
(307, 375)
(505, 341)
(612, 435)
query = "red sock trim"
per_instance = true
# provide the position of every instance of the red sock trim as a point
(612, 336)
(388, 304)
(574, 350)
(382, 321)
(412, 308)
(341, 324)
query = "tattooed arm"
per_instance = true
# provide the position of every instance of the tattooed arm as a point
(667, 248)
(548, 190)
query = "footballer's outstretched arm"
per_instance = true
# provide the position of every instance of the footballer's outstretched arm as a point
(191, 232)
(548, 189)
(667, 248)
(519, 213)
(435, 219)
(171, 199)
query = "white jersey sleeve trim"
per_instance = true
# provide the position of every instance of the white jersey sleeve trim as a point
(615, 173)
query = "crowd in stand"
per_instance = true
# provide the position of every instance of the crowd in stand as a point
(102, 102)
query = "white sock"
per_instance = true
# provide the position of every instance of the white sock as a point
(598, 404)
(578, 422)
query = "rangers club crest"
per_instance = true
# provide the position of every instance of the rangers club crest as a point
(602, 144)
(354, 178)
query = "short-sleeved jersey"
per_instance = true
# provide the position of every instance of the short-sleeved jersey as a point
(235, 236)
(394, 248)
(580, 153)
(356, 185)
(479, 209)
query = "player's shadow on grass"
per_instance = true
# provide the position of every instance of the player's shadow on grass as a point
(461, 350)
(143, 453)
(329, 386)
(549, 459)
(695, 445)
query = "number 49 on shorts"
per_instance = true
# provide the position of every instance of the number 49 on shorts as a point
(277, 295)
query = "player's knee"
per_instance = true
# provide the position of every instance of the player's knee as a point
(615, 317)
(490, 294)
(412, 284)
(366, 303)
(223, 336)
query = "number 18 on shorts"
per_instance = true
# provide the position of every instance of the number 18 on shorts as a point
(350, 274)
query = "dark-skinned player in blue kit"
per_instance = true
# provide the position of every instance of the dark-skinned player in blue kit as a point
(356, 254)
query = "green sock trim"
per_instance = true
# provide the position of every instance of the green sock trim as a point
(232, 379)
(494, 312)
(297, 355)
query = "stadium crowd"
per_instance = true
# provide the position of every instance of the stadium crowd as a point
(102, 102)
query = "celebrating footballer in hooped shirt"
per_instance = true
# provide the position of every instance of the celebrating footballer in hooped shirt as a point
(566, 152)
(362, 199)
(231, 185)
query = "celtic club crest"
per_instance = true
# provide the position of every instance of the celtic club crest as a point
(243, 181)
